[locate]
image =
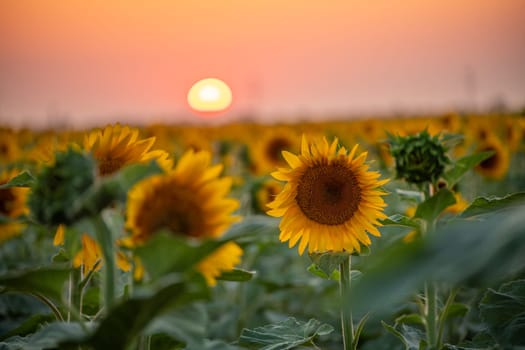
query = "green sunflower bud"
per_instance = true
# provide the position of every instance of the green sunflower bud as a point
(57, 187)
(419, 158)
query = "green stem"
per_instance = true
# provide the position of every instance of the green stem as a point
(431, 314)
(49, 303)
(443, 316)
(346, 312)
(105, 240)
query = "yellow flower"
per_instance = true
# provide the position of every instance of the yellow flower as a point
(190, 200)
(331, 199)
(116, 146)
(59, 235)
(89, 256)
(460, 205)
(12, 205)
(497, 165)
(9, 146)
(268, 146)
(266, 193)
(222, 259)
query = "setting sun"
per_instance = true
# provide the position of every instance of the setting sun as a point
(209, 95)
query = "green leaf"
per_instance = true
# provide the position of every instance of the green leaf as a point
(186, 324)
(165, 253)
(328, 262)
(284, 335)
(411, 196)
(359, 329)
(47, 281)
(401, 220)
(456, 310)
(49, 337)
(237, 275)
(253, 228)
(462, 165)
(410, 319)
(430, 209)
(29, 326)
(24, 179)
(129, 318)
(489, 206)
(396, 333)
(504, 313)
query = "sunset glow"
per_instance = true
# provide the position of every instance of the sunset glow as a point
(209, 95)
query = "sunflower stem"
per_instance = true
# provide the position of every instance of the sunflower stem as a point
(431, 313)
(105, 240)
(346, 312)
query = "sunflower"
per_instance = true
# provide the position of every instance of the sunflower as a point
(89, 257)
(9, 147)
(268, 147)
(12, 205)
(266, 193)
(190, 200)
(330, 199)
(222, 259)
(116, 146)
(497, 166)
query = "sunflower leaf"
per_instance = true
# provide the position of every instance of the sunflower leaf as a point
(430, 209)
(462, 165)
(24, 179)
(47, 281)
(491, 205)
(165, 253)
(504, 312)
(328, 262)
(284, 335)
(237, 275)
(400, 220)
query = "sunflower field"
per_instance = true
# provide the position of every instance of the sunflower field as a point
(397, 233)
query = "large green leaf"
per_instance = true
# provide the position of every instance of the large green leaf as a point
(29, 326)
(47, 281)
(254, 228)
(24, 179)
(328, 262)
(48, 337)
(129, 319)
(165, 253)
(487, 251)
(462, 165)
(431, 208)
(504, 313)
(284, 335)
(489, 206)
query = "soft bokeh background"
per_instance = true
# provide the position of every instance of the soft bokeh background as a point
(80, 63)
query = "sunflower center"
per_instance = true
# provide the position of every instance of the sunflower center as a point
(7, 199)
(328, 194)
(107, 166)
(490, 162)
(275, 147)
(174, 209)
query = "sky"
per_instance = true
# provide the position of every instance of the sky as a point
(86, 62)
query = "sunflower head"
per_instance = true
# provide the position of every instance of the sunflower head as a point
(330, 200)
(58, 186)
(265, 192)
(222, 259)
(419, 158)
(12, 205)
(190, 201)
(496, 166)
(117, 146)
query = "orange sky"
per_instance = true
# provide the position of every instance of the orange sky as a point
(101, 60)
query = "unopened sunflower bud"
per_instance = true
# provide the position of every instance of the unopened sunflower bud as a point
(419, 158)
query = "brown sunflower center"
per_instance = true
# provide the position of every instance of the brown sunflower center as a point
(328, 194)
(107, 166)
(174, 209)
(491, 162)
(7, 199)
(275, 147)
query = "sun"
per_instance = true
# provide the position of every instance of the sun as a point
(209, 95)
